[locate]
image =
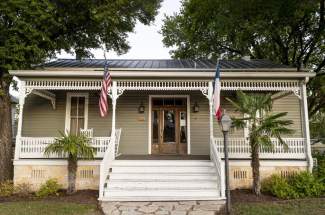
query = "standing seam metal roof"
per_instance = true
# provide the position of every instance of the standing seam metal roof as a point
(164, 64)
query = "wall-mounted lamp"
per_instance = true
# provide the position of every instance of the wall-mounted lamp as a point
(141, 108)
(196, 107)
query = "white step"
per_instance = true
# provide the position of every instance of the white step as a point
(157, 180)
(163, 169)
(162, 163)
(163, 176)
(159, 184)
(164, 193)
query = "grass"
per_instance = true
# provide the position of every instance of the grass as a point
(296, 207)
(48, 208)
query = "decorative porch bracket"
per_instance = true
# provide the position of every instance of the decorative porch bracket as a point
(46, 95)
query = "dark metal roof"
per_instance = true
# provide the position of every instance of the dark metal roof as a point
(164, 64)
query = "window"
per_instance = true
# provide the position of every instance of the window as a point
(76, 112)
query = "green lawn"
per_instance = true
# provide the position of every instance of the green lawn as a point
(47, 208)
(303, 207)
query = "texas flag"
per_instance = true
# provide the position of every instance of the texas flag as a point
(216, 93)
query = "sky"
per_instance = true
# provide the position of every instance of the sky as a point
(145, 41)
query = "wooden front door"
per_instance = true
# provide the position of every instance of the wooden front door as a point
(169, 129)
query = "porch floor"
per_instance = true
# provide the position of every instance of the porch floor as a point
(163, 157)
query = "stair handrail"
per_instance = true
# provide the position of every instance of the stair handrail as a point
(219, 165)
(106, 164)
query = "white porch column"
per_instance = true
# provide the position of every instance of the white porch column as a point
(22, 95)
(210, 97)
(114, 98)
(306, 125)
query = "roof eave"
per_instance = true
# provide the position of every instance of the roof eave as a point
(164, 73)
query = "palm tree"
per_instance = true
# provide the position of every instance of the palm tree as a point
(262, 126)
(73, 147)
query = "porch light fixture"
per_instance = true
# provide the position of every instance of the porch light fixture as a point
(141, 108)
(225, 125)
(196, 107)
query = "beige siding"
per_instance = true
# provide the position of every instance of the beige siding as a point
(290, 104)
(41, 120)
(101, 126)
(134, 136)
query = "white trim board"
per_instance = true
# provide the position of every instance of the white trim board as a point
(269, 163)
(188, 110)
(68, 109)
(51, 162)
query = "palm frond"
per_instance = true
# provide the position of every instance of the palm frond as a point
(73, 146)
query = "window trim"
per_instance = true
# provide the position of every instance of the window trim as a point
(69, 95)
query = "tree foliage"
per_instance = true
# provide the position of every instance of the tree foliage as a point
(262, 125)
(32, 31)
(290, 32)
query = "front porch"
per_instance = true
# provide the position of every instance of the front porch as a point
(193, 137)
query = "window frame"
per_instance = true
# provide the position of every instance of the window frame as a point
(68, 109)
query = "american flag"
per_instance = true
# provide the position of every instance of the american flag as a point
(216, 93)
(107, 79)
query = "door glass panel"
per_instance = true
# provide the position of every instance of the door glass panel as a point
(155, 126)
(169, 126)
(182, 125)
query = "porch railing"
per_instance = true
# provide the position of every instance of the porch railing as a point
(240, 148)
(33, 147)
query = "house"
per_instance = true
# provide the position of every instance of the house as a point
(160, 140)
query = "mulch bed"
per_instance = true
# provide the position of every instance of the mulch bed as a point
(79, 197)
(240, 196)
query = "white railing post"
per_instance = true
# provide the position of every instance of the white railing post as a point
(22, 95)
(210, 97)
(114, 98)
(306, 126)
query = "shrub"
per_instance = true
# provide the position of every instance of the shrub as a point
(306, 185)
(6, 188)
(51, 187)
(300, 185)
(23, 189)
(279, 187)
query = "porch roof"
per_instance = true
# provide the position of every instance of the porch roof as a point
(164, 64)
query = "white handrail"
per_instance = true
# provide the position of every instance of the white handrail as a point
(104, 169)
(219, 165)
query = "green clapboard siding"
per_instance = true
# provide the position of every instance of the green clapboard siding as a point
(291, 105)
(41, 120)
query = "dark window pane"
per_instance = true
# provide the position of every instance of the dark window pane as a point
(74, 104)
(155, 126)
(81, 106)
(169, 102)
(183, 134)
(169, 126)
(157, 102)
